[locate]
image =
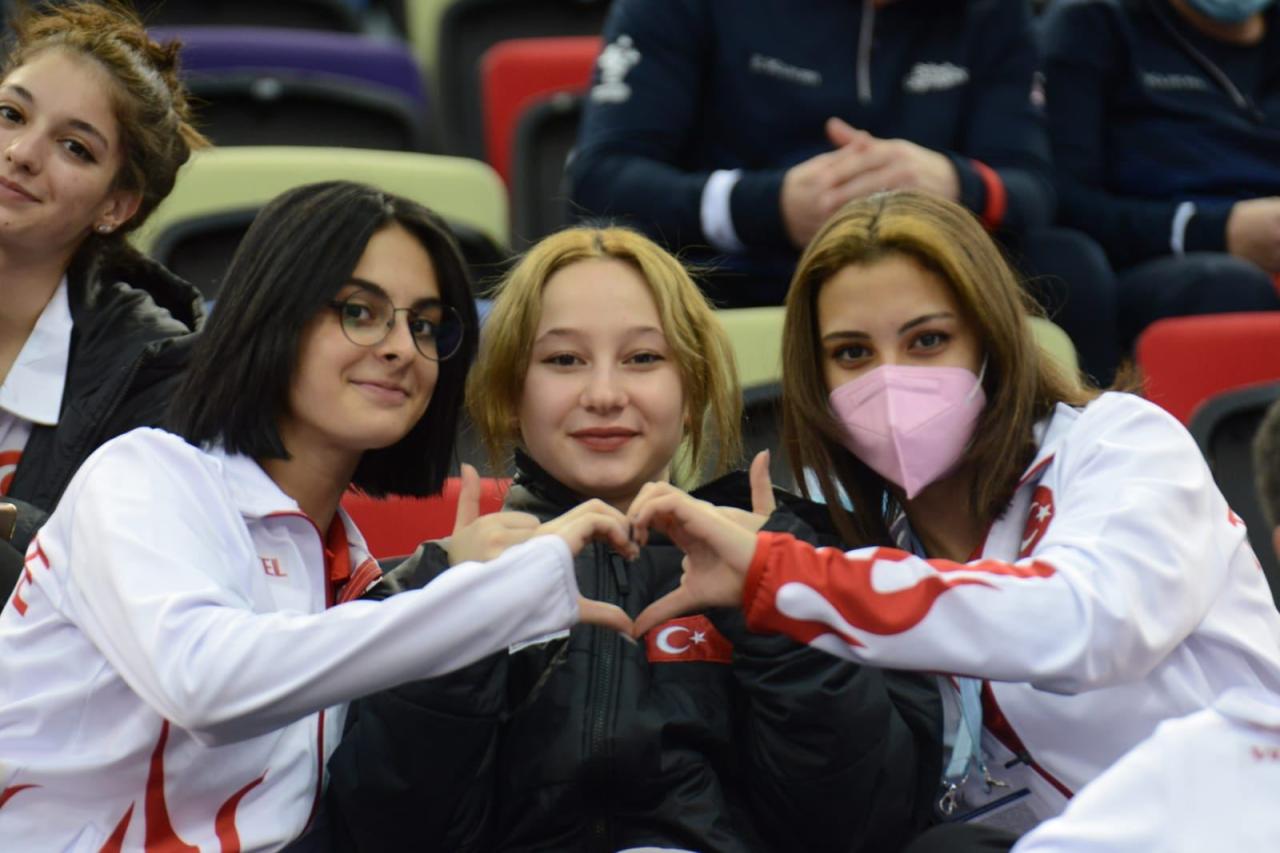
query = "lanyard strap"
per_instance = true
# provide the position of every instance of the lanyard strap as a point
(968, 742)
(966, 750)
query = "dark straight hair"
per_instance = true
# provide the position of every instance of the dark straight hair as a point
(300, 250)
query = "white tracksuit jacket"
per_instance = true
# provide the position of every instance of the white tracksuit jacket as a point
(1117, 591)
(169, 672)
(1206, 782)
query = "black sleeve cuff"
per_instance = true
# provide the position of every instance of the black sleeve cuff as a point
(1207, 229)
(756, 208)
(973, 192)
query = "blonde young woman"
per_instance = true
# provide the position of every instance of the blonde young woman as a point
(602, 364)
(1064, 554)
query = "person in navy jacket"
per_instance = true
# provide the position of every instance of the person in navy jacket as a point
(1165, 123)
(732, 131)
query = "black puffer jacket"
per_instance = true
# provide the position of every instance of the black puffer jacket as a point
(587, 743)
(133, 325)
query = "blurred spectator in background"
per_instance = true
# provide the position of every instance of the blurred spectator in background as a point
(733, 130)
(1165, 121)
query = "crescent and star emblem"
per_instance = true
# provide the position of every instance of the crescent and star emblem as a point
(666, 635)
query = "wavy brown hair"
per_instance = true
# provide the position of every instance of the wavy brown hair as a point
(149, 101)
(701, 348)
(1022, 383)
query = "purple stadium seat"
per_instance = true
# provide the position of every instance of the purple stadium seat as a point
(259, 84)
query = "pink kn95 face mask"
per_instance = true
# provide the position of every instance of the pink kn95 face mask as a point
(910, 424)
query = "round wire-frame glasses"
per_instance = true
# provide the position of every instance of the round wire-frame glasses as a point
(368, 317)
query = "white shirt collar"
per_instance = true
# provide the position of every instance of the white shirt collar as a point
(33, 389)
(256, 496)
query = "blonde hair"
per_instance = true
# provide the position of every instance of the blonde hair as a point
(702, 353)
(1021, 382)
(149, 101)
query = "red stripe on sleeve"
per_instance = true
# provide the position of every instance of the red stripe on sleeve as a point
(997, 199)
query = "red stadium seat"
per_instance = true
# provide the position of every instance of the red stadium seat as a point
(396, 526)
(1186, 360)
(516, 72)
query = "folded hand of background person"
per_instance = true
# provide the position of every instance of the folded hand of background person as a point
(892, 164)
(483, 537)
(1253, 232)
(860, 164)
(595, 520)
(717, 549)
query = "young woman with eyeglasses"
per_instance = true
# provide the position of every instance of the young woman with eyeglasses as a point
(176, 659)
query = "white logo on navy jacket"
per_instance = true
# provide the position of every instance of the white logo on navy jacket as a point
(167, 685)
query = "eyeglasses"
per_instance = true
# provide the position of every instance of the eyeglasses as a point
(368, 317)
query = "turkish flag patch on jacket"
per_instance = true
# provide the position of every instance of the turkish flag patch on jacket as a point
(1038, 519)
(689, 638)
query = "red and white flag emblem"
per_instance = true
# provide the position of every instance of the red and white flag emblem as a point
(1038, 520)
(689, 638)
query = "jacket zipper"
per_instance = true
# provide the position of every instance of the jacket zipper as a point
(866, 29)
(319, 794)
(602, 690)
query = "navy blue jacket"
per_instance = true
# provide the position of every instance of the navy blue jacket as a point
(749, 85)
(1139, 126)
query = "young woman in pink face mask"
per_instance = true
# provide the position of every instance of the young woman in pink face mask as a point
(1062, 555)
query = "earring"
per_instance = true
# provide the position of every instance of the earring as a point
(104, 228)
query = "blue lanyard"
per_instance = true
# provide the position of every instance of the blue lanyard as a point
(966, 749)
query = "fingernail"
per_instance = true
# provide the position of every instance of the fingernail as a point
(630, 639)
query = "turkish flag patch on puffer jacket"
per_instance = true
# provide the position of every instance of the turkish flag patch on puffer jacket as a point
(689, 638)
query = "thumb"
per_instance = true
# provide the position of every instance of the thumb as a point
(762, 502)
(841, 133)
(468, 498)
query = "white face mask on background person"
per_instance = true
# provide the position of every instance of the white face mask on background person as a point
(910, 424)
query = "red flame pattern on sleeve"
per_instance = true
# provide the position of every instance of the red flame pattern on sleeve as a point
(845, 582)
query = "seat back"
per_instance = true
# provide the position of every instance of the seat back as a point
(332, 15)
(221, 189)
(545, 138)
(396, 526)
(517, 72)
(1057, 343)
(384, 63)
(1224, 426)
(470, 27)
(422, 29)
(1186, 360)
(256, 86)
